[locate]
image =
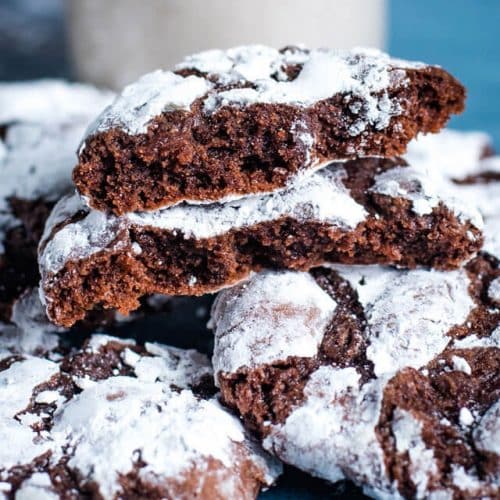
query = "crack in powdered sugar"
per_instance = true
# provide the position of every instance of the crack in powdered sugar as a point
(366, 74)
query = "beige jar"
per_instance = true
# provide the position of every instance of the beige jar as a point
(115, 41)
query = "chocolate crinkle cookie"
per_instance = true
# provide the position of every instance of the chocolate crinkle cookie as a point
(115, 420)
(385, 377)
(360, 211)
(247, 120)
(41, 124)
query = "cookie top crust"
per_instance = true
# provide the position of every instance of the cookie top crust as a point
(392, 394)
(113, 418)
(398, 305)
(262, 75)
(321, 197)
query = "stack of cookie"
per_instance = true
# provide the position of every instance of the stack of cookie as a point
(357, 333)
(190, 181)
(100, 417)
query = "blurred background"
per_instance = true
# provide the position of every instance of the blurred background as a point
(111, 42)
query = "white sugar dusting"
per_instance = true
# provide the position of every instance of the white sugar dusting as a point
(332, 434)
(366, 74)
(153, 94)
(454, 154)
(39, 486)
(95, 232)
(409, 313)
(465, 417)
(179, 367)
(19, 443)
(170, 430)
(120, 419)
(494, 291)
(483, 195)
(407, 431)
(487, 433)
(464, 480)
(426, 189)
(44, 122)
(269, 318)
(472, 341)
(29, 331)
(492, 235)
(460, 364)
(368, 281)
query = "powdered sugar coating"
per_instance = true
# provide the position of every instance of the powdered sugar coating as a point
(89, 235)
(408, 304)
(486, 434)
(170, 430)
(492, 236)
(455, 154)
(426, 189)
(458, 156)
(473, 341)
(29, 331)
(153, 94)
(104, 429)
(178, 367)
(321, 197)
(38, 486)
(483, 195)
(364, 73)
(408, 435)
(338, 429)
(50, 101)
(19, 445)
(268, 319)
(494, 291)
(326, 438)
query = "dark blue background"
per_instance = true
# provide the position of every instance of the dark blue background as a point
(463, 36)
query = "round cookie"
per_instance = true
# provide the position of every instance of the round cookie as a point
(117, 420)
(249, 119)
(361, 212)
(387, 378)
